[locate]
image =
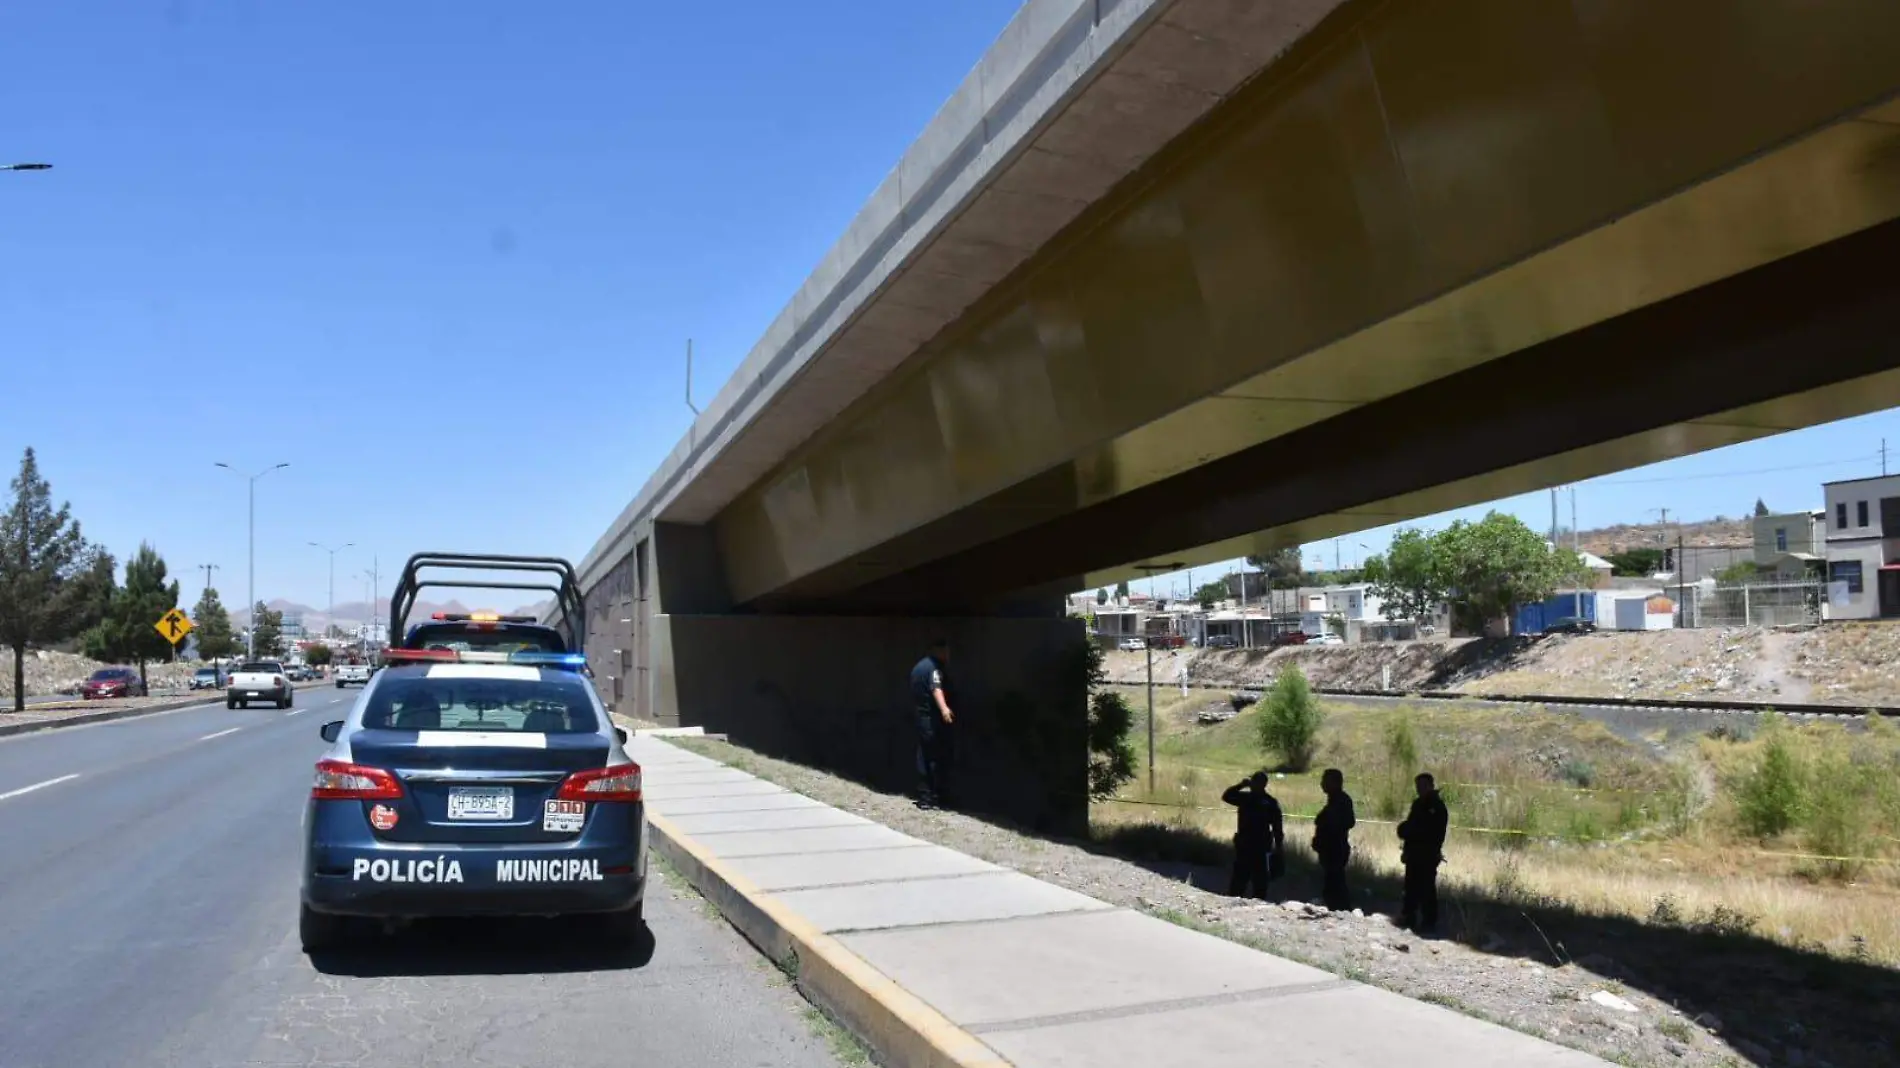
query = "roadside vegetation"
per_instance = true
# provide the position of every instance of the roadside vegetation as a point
(1788, 832)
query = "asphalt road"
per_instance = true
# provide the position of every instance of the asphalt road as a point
(148, 901)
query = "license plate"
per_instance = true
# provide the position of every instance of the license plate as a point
(482, 803)
(254, 693)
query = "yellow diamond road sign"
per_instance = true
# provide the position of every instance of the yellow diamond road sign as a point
(174, 625)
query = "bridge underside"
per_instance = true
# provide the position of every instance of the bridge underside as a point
(1441, 253)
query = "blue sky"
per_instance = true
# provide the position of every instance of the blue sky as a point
(443, 258)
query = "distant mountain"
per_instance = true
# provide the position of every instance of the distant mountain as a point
(350, 614)
(1721, 530)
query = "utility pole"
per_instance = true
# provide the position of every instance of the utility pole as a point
(330, 617)
(1576, 546)
(1553, 517)
(1883, 457)
(208, 569)
(250, 632)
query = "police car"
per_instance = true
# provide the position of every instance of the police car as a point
(473, 780)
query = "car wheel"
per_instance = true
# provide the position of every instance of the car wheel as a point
(244, 704)
(339, 686)
(320, 931)
(230, 703)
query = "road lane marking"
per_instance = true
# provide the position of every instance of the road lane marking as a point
(297, 712)
(38, 786)
(220, 734)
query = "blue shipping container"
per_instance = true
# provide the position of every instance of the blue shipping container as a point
(1539, 617)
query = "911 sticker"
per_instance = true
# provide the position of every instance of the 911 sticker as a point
(563, 816)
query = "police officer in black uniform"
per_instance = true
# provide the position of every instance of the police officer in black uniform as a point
(934, 725)
(1258, 838)
(1331, 843)
(1423, 833)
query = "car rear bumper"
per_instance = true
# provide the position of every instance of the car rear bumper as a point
(339, 895)
(257, 695)
(350, 871)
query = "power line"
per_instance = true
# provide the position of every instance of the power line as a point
(1735, 474)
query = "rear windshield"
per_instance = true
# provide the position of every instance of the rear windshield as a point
(554, 702)
(499, 638)
(261, 667)
(108, 674)
(207, 671)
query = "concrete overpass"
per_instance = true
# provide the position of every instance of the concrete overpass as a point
(1182, 280)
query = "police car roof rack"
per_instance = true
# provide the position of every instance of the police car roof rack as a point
(567, 593)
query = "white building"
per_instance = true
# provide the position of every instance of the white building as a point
(1863, 548)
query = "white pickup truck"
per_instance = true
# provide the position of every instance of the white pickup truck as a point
(259, 680)
(357, 674)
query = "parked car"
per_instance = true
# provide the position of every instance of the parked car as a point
(1290, 637)
(207, 678)
(111, 682)
(1325, 639)
(1571, 625)
(1132, 645)
(1222, 641)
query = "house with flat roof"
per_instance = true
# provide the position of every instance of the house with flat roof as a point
(1863, 548)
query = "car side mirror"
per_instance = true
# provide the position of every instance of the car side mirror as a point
(621, 733)
(332, 730)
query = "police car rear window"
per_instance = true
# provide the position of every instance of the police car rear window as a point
(464, 637)
(556, 703)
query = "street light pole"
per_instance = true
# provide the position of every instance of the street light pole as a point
(26, 166)
(329, 619)
(250, 632)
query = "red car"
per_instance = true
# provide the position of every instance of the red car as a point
(112, 682)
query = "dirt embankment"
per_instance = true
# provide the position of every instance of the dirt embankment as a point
(49, 672)
(1843, 663)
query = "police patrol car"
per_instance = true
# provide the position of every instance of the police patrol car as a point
(475, 776)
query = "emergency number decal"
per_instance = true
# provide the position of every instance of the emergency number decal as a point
(382, 817)
(437, 870)
(564, 816)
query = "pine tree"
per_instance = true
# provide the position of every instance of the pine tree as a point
(216, 639)
(267, 633)
(45, 564)
(129, 630)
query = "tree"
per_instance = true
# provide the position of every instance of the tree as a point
(317, 655)
(1282, 566)
(1101, 595)
(48, 573)
(267, 633)
(1111, 754)
(1121, 590)
(1639, 563)
(1494, 566)
(129, 631)
(216, 639)
(1408, 577)
(1290, 720)
(1210, 593)
(1761, 507)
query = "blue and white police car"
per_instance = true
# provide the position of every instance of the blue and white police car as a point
(467, 782)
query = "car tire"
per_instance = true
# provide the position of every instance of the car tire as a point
(339, 686)
(230, 702)
(321, 932)
(244, 704)
(287, 701)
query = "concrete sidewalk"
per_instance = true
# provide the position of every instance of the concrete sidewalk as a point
(938, 958)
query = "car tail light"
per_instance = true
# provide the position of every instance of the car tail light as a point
(339, 780)
(620, 782)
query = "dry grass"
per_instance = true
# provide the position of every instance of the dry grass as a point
(1651, 839)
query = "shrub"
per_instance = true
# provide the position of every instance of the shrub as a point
(1111, 754)
(1666, 912)
(1579, 773)
(1290, 722)
(1768, 798)
(1837, 816)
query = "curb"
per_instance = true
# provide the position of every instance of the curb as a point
(9, 729)
(898, 1025)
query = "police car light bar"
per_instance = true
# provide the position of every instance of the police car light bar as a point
(524, 657)
(479, 617)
